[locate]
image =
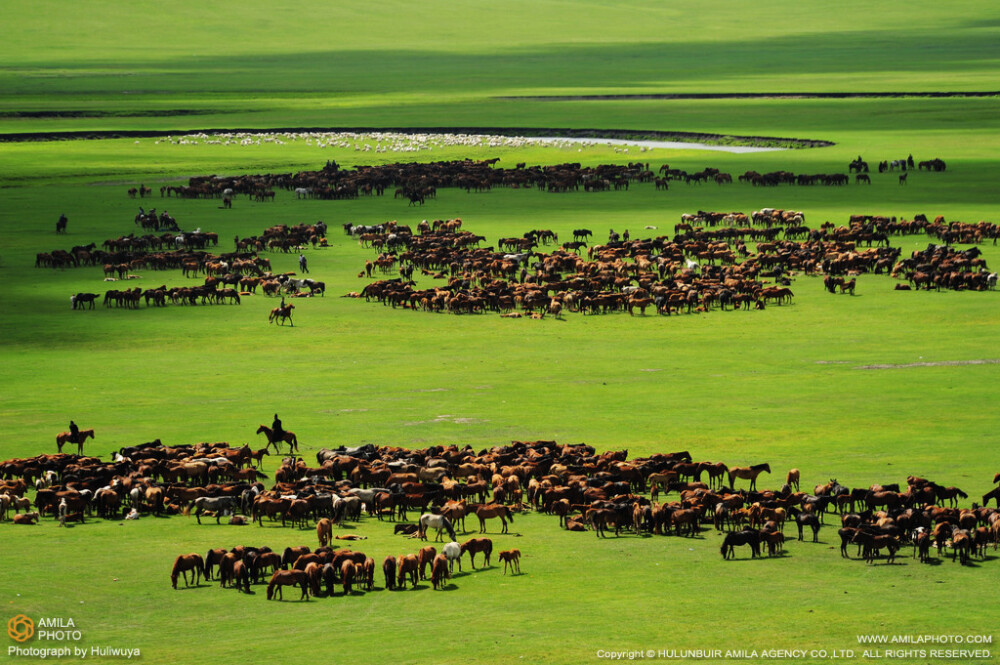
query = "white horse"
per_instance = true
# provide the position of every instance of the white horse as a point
(303, 192)
(453, 552)
(439, 522)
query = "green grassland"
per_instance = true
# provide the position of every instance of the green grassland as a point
(785, 385)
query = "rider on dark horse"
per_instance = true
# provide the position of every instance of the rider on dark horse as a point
(74, 432)
(278, 431)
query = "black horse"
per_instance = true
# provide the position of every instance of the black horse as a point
(746, 537)
(61, 224)
(810, 520)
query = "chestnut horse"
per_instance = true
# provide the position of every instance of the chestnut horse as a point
(511, 558)
(184, 563)
(67, 437)
(748, 473)
(473, 545)
(792, 479)
(389, 570)
(439, 571)
(283, 578)
(279, 314)
(406, 566)
(272, 440)
(489, 511)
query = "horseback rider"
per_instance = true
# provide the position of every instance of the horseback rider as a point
(74, 432)
(278, 430)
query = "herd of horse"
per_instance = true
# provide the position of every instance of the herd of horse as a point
(587, 491)
(698, 270)
(320, 570)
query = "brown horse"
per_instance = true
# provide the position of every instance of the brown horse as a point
(67, 437)
(439, 571)
(324, 531)
(489, 511)
(748, 473)
(474, 545)
(184, 563)
(279, 314)
(347, 575)
(511, 558)
(425, 557)
(213, 558)
(406, 565)
(792, 479)
(273, 440)
(389, 570)
(282, 578)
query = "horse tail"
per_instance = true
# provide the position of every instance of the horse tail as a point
(187, 508)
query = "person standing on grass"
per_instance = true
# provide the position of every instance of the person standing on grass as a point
(302, 263)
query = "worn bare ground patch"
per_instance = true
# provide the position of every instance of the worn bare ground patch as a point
(940, 363)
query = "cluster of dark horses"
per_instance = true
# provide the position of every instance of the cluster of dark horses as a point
(619, 276)
(158, 297)
(149, 478)
(285, 238)
(944, 267)
(318, 572)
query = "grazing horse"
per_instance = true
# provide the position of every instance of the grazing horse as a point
(473, 545)
(217, 504)
(874, 544)
(67, 437)
(792, 479)
(272, 440)
(279, 314)
(489, 511)
(438, 522)
(406, 565)
(511, 558)
(184, 563)
(748, 472)
(749, 537)
(424, 558)
(213, 557)
(347, 574)
(324, 531)
(439, 571)
(389, 570)
(453, 552)
(992, 494)
(283, 578)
